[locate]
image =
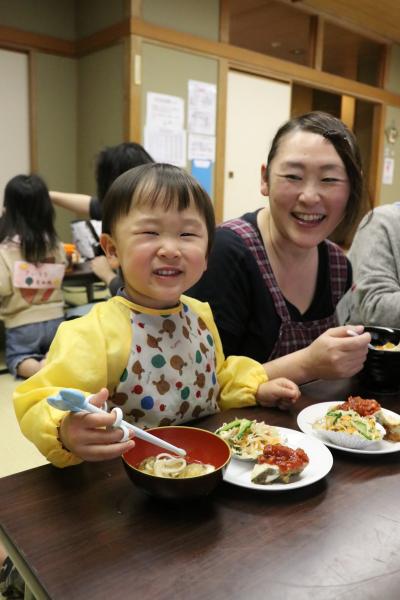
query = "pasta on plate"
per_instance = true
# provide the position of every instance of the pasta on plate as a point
(247, 439)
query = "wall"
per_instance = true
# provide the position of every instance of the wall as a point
(100, 109)
(168, 71)
(391, 193)
(14, 117)
(39, 16)
(78, 103)
(190, 16)
(95, 15)
(56, 117)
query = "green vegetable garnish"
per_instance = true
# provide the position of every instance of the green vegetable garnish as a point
(230, 425)
(244, 426)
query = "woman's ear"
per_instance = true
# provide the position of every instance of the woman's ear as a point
(264, 181)
(110, 250)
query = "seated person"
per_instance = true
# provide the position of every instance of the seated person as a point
(374, 298)
(149, 350)
(32, 265)
(273, 279)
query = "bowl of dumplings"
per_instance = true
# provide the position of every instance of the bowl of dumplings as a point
(165, 475)
(381, 371)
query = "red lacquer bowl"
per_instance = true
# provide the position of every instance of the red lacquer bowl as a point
(200, 445)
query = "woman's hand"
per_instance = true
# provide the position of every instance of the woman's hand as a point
(335, 354)
(280, 392)
(90, 436)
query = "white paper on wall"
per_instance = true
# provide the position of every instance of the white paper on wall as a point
(201, 147)
(164, 112)
(166, 146)
(202, 107)
(388, 171)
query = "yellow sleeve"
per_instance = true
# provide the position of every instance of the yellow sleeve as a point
(86, 354)
(239, 377)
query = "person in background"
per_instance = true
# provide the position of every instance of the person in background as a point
(158, 227)
(273, 279)
(374, 298)
(111, 162)
(32, 265)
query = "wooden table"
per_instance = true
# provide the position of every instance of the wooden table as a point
(81, 275)
(87, 533)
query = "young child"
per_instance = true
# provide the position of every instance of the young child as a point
(32, 264)
(150, 350)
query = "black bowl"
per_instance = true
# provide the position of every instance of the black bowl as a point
(200, 445)
(381, 371)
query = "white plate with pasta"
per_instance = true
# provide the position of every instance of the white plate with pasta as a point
(247, 438)
(320, 463)
(309, 415)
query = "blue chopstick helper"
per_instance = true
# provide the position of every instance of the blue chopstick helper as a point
(73, 400)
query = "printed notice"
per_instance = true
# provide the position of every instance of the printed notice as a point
(166, 146)
(202, 109)
(164, 112)
(201, 147)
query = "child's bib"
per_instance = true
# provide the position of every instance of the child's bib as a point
(171, 375)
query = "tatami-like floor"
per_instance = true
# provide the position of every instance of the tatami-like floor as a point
(16, 452)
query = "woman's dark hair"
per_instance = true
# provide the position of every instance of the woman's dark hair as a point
(345, 144)
(29, 214)
(154, 185)
(115, 160)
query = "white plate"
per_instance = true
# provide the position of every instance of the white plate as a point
(312, 413)
(321, 461)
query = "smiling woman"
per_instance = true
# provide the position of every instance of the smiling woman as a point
(273, 278)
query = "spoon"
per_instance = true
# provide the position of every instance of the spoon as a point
(75, 401)
(355, 334)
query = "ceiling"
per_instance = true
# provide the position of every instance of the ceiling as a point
(282, 28)
(366, 16)
(381, 18)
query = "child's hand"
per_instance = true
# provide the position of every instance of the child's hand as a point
(89, 435)
(280, 392)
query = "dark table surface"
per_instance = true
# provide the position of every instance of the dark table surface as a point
(82, 275)
(86, 532)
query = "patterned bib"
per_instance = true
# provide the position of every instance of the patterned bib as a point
(170, 377)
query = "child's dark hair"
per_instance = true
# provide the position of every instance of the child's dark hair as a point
(29, 214)
(112, 161)
(345, 144)
(152, 185)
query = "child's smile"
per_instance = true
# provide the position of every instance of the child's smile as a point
(161, 253)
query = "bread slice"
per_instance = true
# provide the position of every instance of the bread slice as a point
(391, 424)
(264, 473)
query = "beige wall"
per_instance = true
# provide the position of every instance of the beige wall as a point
(191, 16)
(94, 15)
(391, 193)
(40, 16)
(56, 115)
(100, 109)
(14, 117)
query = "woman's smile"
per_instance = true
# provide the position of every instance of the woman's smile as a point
(308, 219)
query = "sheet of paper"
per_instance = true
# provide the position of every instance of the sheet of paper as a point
(388, 171)
(202, 105)
(84, 238)
(201, 147)
(166, 146)
(164, 112)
